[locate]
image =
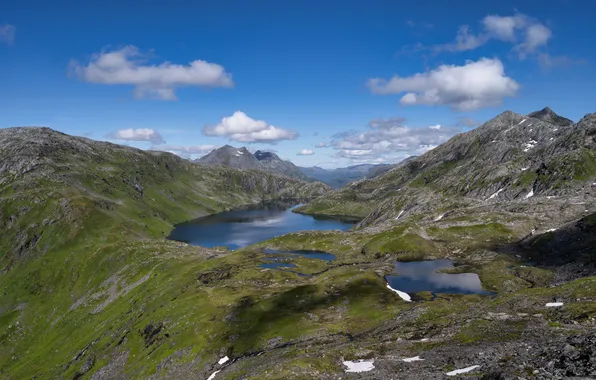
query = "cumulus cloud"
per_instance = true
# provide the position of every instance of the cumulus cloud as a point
(474, 85)
(388, 138)
(305, 152)
(139, 134)
(242, 128)
(185, 150)
(526, 34)
(322, 145)
(7, 34)
(127, 67)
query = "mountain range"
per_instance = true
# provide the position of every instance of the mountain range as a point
(91, 289)
(241, 158)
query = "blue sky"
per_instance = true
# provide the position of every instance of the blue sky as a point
(290, 75)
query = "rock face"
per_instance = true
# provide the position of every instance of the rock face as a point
(241, 158)
(550, 116)
(509, 159)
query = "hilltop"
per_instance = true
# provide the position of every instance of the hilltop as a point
(241, 158)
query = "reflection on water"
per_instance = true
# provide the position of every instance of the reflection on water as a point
(240, 228)
(419, 276)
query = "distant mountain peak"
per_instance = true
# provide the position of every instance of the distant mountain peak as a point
(241, 158)
(548, 115)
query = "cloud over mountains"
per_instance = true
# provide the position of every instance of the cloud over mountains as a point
(127, 66)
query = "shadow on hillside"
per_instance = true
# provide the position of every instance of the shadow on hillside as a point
(253, 322)
(570, 249)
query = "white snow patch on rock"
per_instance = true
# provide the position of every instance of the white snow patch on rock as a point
(463, 370)
(521, 122)
(403, 295)
(551, 230)
(212, 375)
(223, 360)
(360, 365)
(414, 359)
(530, 194)
(439, 217)
(495, 194)
(524, 169)
(398, 215)
(240, 152)
(530, 144)
(554, 304)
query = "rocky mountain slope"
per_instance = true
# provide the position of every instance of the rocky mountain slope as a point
(241, 158)
(91, 290)
(511, 158)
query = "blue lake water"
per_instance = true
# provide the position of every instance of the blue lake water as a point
(241, 228)
(419, 276)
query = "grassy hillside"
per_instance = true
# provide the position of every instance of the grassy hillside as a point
(79, 221)
(90, 289)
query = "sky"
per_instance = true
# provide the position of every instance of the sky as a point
(328, 83)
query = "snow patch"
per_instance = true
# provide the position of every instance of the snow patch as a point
(551, 230)
(521, 122)
(240, 152)
(439, 217)
(524, 169)
(400, 213)
(414, 359)
(223, 360)
(212, 375)
(530, 144)
(463, 370)
(359, 366)
(530, 194)
(424, 340)
(237, 155)
(554, 304)
(495, 194)
(404, 296)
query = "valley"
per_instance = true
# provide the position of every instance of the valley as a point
(477, 256)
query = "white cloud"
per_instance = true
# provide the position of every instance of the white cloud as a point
(527, 34)
(139, 134)
(241, 127)
(7, 34)
(305, 152)
(185, 150)
(474, 85)
(388, 139)
(125, 67)
(464, 40)
(322, 145)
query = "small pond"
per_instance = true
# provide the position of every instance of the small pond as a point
(420, 276)
(241, 228)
